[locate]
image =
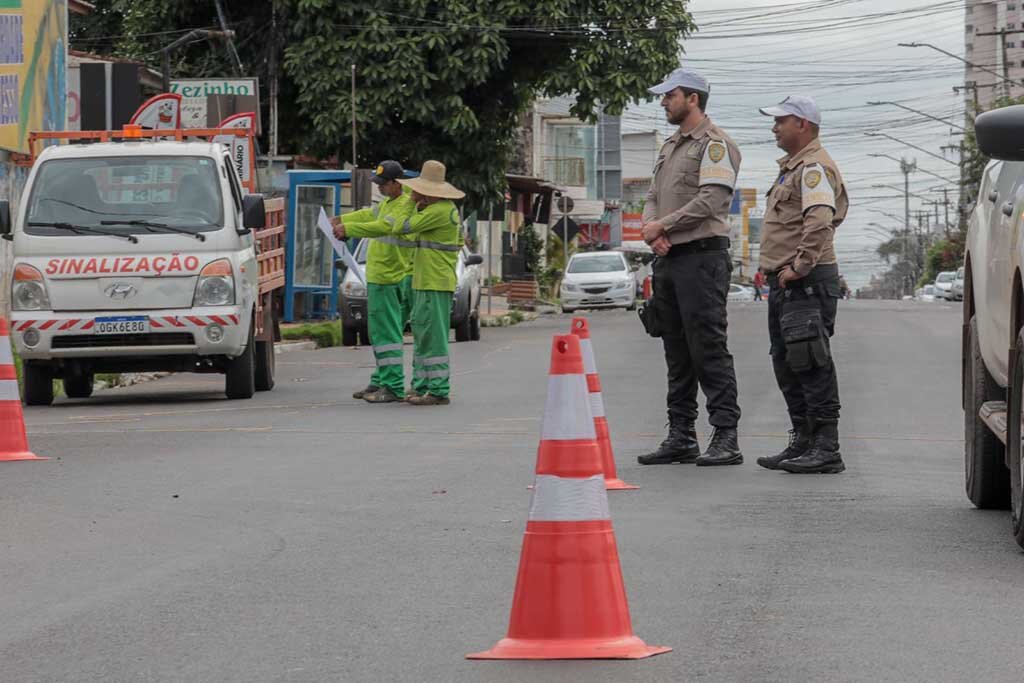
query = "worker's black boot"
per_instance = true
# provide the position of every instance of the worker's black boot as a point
(824, 456)
(679, 446)
(799, 444)
(724, 449)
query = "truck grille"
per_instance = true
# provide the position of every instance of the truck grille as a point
(85, 341)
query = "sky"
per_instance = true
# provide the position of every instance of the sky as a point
(844, 54)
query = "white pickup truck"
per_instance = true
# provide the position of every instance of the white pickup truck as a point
(142, 255)
(993, 322)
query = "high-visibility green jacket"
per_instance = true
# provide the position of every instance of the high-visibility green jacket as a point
(388, 259)
(438, 236)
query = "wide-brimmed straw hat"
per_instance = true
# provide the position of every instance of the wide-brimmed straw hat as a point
(431, 183)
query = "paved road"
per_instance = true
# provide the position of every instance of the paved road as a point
(304, 536)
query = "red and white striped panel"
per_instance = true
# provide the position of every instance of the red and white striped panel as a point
(168, 322)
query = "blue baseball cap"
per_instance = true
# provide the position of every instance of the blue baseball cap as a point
(681, 78)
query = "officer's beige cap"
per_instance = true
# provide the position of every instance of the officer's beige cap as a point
(795, 105)
(681, 78)
(431, 183)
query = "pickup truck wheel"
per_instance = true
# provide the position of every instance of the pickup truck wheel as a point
(38, 384)
(987, 479)
(364, 335)
(349, 336)
(1015, 433)
(240, 380)
(265, 365)
(79, 386)
(462, 332)
(474, 326)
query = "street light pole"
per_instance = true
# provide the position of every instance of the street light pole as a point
(913, 146)
(917, 111)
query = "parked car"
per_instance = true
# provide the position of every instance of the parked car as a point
(465, 316)
(958, 285)
(740, 293)
(600, 279)
(944, 285)
(926, 293)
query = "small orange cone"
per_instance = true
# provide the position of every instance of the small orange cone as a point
(570, 602)
(581, 329)
(13, 442)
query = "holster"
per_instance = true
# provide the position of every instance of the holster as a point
(803, 332)
(648, 311)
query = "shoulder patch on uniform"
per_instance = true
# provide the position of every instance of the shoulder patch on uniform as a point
(716, 167)
(817, 187)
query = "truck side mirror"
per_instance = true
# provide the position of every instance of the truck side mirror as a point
(254, 215)
(999, 133)
(341, 266)
(474, 260)
(5, 220)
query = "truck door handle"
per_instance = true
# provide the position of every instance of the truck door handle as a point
(1008, 208)
(993, 195)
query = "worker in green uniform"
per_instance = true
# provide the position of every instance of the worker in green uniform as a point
(436, 229)
(389, 264)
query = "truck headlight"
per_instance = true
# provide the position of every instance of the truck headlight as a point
(216, 285)
(28, 292)
(354, 288)
(568, 287)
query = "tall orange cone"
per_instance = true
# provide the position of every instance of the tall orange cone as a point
(570, 602)
(581, 329)
(13, 442)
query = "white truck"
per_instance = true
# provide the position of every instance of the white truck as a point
(145, 254)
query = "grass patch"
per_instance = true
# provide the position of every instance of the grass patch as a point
(324, 334)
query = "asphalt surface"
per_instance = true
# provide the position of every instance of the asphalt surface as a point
(305, 536)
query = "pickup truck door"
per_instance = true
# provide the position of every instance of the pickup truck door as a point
(1004, 207)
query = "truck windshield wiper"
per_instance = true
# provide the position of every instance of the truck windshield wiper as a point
(150, 224)
(82, 229)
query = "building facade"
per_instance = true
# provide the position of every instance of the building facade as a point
(993, 42)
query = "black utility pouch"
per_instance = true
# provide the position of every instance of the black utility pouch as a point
(803, 331)
(649, 317)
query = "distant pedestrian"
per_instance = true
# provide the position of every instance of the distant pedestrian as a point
(758, 284)
(806, 204)
(685, 221)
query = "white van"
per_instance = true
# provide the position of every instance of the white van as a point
(140, 256)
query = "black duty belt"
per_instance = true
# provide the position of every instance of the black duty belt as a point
(706, 244)
(821, 273)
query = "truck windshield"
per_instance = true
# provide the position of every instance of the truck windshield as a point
(122, 194)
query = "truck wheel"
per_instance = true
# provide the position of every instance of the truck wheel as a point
(1015, 433)
(987, 479)
(240, 381)
(474, 326)
(79, 386)
(265, 365)
(349, 336)
(38, 384)
(364, 335)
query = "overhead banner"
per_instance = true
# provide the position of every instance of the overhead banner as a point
(159, 113)
(241, 148)
(33, 54)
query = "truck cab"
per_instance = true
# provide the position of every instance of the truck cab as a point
(139, 255)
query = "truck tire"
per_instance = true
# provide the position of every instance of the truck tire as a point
(364, 335)
(349, 336)
(240, 379)
(79, 386)
(474, 326)
(1014, 434)
(462, 329)
(266, 363)
(986, 476)
(38, 381)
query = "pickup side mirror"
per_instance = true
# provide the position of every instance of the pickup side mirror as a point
(254, 215)
(1001, 133)
(341, 266)
(5, 220)
(474, 260)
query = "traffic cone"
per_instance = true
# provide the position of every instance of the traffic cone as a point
(581, 329)
(570, 602)
(13, 442)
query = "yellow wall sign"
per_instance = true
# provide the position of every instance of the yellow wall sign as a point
(33, 56)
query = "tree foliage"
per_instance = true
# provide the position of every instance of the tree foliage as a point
(447, 80)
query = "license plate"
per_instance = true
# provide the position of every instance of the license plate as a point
(125, 324)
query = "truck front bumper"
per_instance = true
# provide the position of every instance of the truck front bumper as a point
(211, 331)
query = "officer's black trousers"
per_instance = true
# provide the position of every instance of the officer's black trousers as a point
(814, 393)
(690, 290)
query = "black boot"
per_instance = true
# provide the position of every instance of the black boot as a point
(824, 457)
(724, 449)
(679, 446)
(799, 444)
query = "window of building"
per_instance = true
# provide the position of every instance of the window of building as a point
(970, 48)
(1011, 26)
(1011, 7)
(969, 28)
(1011, 44)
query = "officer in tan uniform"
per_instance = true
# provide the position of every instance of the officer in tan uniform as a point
(685, 222)
(806, 204)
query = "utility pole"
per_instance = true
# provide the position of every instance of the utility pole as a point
(961, 222)
(1002, 33)
(973, 87)
(232, 52)
(354, 165)
(190, 37)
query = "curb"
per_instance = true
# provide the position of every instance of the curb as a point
(288, 346)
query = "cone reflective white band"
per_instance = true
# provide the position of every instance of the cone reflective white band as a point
(596, 404)
(6, 357)
(559, 499)
(589, 365)
(9, 390)
(567, 414)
